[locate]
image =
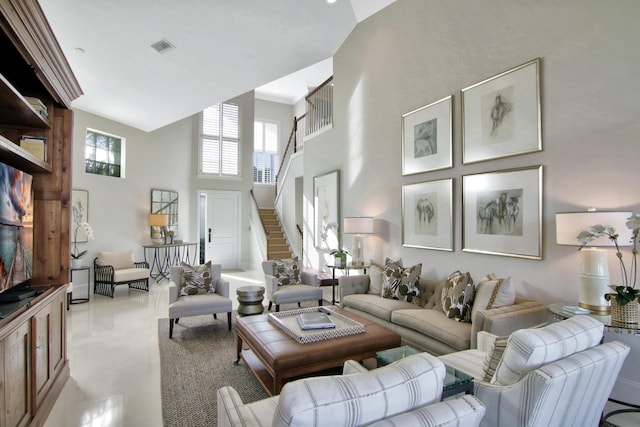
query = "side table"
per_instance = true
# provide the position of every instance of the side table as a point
(250, 300)
(346, 268)
(81, 300)
(455, 381)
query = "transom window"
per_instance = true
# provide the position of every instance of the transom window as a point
(220, 140)
(265, 152)
(104, 154)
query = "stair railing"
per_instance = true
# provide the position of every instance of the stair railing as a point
(300, 243)
(319, 107)
(258, 226)
(294, 144)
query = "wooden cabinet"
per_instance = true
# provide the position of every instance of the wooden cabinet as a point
(33, 353)
(33, 363)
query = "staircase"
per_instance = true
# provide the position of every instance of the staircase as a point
(277, 246)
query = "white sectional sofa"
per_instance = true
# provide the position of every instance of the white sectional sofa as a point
(425, 326)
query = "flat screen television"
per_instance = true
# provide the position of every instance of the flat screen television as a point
(16, 228)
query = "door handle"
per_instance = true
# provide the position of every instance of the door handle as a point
(209, 234)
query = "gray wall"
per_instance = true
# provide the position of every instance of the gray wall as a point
(415, 52)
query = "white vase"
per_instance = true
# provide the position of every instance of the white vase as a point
(76, 263)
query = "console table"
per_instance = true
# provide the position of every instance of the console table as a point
(346, 268)
(162, 257)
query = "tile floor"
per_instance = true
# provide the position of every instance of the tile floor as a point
(114, 360)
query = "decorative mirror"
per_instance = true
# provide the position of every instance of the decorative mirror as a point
(166, 202)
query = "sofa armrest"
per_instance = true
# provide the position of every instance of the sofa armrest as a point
(503, 321)
(309, 278)
(349, 285)
(230, 411)
(222, 288)
(173, 292)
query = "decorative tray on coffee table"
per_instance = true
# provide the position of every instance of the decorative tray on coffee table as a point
(288, 322)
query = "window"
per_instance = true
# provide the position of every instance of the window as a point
(104, 154)
(220, 140)
(265, 152)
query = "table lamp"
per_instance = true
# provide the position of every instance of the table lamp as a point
(358, 226)
(594, 270)
(156, 221)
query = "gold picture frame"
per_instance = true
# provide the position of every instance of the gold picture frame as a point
(501, 115)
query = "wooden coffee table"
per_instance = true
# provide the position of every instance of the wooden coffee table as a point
(274, 357)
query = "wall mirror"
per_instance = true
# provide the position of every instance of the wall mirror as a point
(166, 202)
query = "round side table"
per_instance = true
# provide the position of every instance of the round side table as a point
(250, 300)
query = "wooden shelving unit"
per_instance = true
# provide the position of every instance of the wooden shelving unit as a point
(33, 352)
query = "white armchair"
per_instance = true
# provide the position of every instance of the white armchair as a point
(558, 375)
(307, 290)
(405, 393)
(200, 303)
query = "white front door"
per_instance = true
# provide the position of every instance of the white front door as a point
(222, 228)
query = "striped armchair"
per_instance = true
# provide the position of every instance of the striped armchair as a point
(406, 392)
(557, 375)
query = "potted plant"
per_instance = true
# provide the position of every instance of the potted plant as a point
(340, 257)
(76, 255)
(626, 293)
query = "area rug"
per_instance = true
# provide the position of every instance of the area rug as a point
(197, 362)
(194, 365)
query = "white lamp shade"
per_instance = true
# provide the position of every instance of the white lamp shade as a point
(570, 224)
(158, 220)
(358, 225)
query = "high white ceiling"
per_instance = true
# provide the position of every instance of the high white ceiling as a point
(223, 48)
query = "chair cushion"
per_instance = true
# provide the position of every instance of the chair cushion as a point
(295, 293)
(197, 279)
(286, 271)
(130, 274)
(528, 349)
(118, 260)
(196, 305)
(363, 398)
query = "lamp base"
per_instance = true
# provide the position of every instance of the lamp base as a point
(592, 291)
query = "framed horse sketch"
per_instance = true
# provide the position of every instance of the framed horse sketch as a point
(501, 115)
(427, 138)
(502, 213)
(427, 215)
(326, 203)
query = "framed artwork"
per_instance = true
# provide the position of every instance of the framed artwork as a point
(427, 215)
(501, 115)
(79, 214)
(326, 199)
(426, 138)
(502, 213)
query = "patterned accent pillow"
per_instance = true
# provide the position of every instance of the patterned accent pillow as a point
(401, 283)
(493, 358)
(457, 296)
(286, 271)
(196, 279)
(376, 272)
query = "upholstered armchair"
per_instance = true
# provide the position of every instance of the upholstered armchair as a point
(285, 283)
(197, 291)
(405, 393)
(111, 269)
(557, 375)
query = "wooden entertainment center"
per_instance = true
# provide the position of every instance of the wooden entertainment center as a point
(33, 350)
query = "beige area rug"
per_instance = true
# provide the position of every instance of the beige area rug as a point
(196, 363)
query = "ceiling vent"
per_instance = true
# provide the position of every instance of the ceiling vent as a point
(162, 46)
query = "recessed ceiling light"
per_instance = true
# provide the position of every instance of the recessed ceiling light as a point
(78, 50)
(331, 1)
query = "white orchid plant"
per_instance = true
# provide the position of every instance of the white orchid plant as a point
(626, 292)
(76, 254)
